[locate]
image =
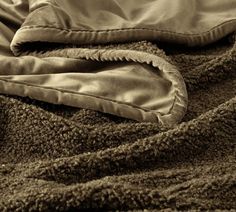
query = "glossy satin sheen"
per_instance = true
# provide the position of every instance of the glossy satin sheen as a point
(188, 22)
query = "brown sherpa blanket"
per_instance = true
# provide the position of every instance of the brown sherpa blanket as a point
(63, 150)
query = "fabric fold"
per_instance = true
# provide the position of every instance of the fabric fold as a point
(128, 83)
(194, 23)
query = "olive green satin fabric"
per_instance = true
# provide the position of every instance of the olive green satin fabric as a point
(126, 83)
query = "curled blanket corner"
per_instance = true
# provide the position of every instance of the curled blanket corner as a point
(168, 71)
(163, 101)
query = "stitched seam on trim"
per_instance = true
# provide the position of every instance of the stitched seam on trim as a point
(130, 29)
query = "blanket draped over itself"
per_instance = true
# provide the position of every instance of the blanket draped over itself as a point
(117, 105)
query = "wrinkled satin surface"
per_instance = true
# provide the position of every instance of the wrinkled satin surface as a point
(118, 81)
(188, 22)
(181, 16)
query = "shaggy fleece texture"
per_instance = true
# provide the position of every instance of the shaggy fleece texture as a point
(59, 158)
